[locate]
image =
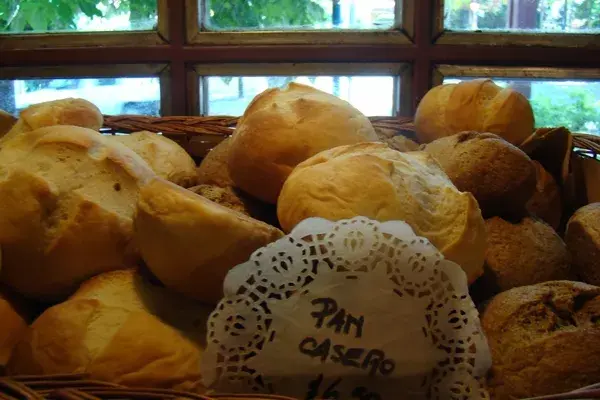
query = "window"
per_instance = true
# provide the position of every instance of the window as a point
(182, 57)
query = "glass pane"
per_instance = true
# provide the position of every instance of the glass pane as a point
(372, 95)
(571, 103)
(112, 95)
(236, 15)
(563, 16)
(34, 16)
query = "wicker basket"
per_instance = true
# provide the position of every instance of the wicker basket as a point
(198, 135)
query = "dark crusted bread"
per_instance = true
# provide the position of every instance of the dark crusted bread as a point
(583, 240)
(544, 339)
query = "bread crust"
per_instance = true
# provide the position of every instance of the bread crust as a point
(583, 240)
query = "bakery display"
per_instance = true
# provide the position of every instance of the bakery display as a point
(70, 111)
(475, 105)
(190, 242)
(524, 253)
(67, 198)
(118, 327)
(500, 176)
(546, 202)
(583, 240)
(375, 181)
(283, 127)
(544, 339)
(164, 156)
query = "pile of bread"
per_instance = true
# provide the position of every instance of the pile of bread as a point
(114, 248)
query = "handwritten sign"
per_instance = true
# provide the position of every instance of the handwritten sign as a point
(329, 315)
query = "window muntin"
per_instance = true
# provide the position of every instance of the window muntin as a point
(230, 95)
(115, 95)
(60, 16)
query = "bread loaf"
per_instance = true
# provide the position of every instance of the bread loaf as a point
(7, 121)
(67, 198)
(477, 105)
(71, 111)
(524, 253)
(377, 182)
(583, 240)
(283, 127)
(13, 326)
(190, 243)
(214, 170)
(119, 327)
(544, 339)
(168, 160)
(546, 201)
(499, 175)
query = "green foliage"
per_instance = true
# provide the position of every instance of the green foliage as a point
(573, 112)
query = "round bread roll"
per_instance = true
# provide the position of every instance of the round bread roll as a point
(67, 198)
(71, 111)
(283, 127)
(544, 339)
(499, 175)
(13, 327)
(7, 121)
(190, 243)
(214, 170)
(372, 180)
(168, 160)
(118, 327)
(546, 201)
(234, 199)
(524, 253)
(583, 240)
(477, 105)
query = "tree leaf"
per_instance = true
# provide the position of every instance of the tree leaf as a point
(38, 21)
(89, 8)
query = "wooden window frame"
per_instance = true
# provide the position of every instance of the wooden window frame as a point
(179, 48)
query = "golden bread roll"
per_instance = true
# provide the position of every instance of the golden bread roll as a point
(499, 175)
(524, 253)
(544, 339)
(13, 326)
(7, 121)
(235, 199)
(380, 183)
(190, 243)
(283, 127)
(546, 201)
(71, 111)
(583, 240)
(119, 327)
(67, 198)
(214, 170)
(168, 159)
(477, 105)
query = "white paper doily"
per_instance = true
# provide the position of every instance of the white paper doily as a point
(355, 309)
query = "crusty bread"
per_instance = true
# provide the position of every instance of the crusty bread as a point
(213, 169)
(283, 127)
(190, 243)
(546, 201)
(235, 199)
(71, 111)
(120, 328)
(67, 197)
(544, 339)
(583, 240)
(13, 326)
(498, 174)
(478, 105)
(165, 157)
(524, 253)
(377, 182)
(7, 121)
